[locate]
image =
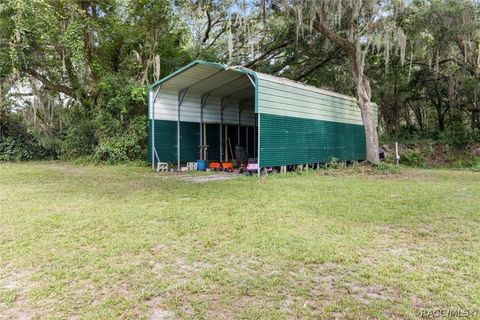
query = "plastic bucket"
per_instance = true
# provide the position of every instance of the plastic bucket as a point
(201, 165)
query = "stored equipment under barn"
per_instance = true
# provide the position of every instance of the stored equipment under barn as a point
(209, 111)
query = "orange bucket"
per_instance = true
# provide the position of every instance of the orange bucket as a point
(227, 166)
(214, 165)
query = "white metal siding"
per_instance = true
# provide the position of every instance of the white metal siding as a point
(283, 97)
(167, 102)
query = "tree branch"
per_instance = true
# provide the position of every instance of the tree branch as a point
(252, 63)
(209, 27)
(224, 29)
(50, 84)
(333, 36)
(319, 65)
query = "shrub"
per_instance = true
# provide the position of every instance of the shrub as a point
(10, 150)
(16, 143)
(128, 146)
(79, 140)
(332, 163)
(471, 162)
(414, 157)
(388, 168)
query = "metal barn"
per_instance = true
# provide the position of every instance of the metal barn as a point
(277, 121)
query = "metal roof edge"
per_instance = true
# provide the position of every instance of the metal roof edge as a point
(184, 68)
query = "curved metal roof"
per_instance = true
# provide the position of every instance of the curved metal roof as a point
(200, 77)
(203, 76)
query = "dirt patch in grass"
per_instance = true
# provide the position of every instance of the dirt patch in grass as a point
(369, 172)
(197, 176)
(328, 285)
(15, 288)
(221, 176)
(368, 294)
(203, 289)
(159, 313)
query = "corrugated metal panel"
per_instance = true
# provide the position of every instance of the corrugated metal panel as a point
(189, 77)
(290, 140)
(286, 83)
(213, 141)
(306, 98)
(189, 141)
(221, 84)
(166, 106)
(166, 141)
(294, 100)
(202, 78)
(167, 102)
(248, 116)
(238, 83)
(295, 108)
(281, 96)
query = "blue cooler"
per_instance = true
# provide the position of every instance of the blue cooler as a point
(201, 165)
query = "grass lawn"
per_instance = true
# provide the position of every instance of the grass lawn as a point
(125, 242)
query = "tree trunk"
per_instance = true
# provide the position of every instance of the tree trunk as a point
(407, 116)
(440, 117)
(475, 124)
(1, 92)
(352, 48)
(437, 104)
(417, 111)
(371, 136)
(441, 123)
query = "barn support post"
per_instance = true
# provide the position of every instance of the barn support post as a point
(239, 122)
(152, 110)
(203, 101)
(257, 124)
(255, 142)
(258, 144)
(152, 126)
(223, 104)
(252, 79)
(246, 139)
(221, 132)
(181, 96)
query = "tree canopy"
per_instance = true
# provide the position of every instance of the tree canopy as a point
(74, 74)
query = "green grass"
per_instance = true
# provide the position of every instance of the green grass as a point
(125, 242)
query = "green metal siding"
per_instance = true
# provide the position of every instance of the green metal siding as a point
(290, 140)
(166, 140)
(213, 141)
(189, 141)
